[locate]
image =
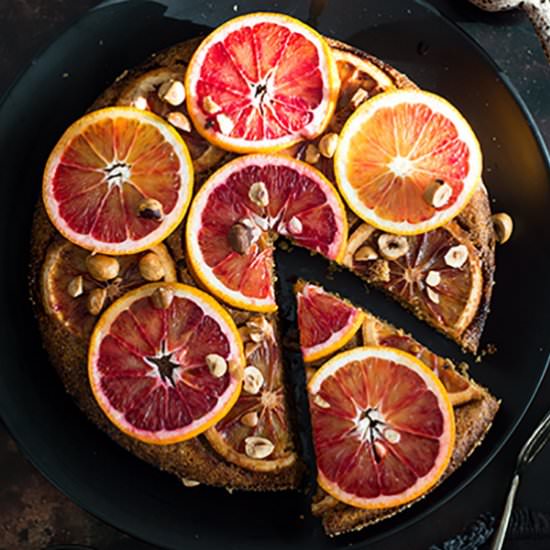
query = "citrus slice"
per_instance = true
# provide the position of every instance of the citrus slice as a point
(161, 91)
(74, 297)
(238, 213)
(255, 434)
(118, 181)
(165, 363)
(407, 161)
(260, 83)
(437, 274)
(383, 427)
(326, 323)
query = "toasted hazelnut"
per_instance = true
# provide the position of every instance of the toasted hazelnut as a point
(210, 106)
(392, 436)
(150, 267)
(312, 154)
(253, 380)
(173, 92)
(162, 298)
(216, 364)
(189, 482)
(360, 96)
(438, 193)
(150, 209)
(179, 121)
(320, 402)
(456, 256)
(250, 419)
(258, 447)
(379, 449)
(365, 254)
(140, 103)
(432, 295)
(433, 278)
(295, 226)
(258, 194)
(240, 237)
(102, 268)
(328, 144)
(96, 300)
(76, 286)
(225, 124)
(504, 226)
(392, 246)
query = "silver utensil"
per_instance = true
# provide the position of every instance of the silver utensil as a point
(539, 438)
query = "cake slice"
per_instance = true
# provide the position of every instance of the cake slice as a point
(329, 325)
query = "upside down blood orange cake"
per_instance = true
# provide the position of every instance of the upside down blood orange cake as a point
(153, 267)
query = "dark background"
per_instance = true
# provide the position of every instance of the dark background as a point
(33, 514)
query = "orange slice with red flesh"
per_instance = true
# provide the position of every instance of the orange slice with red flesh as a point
(240, 211)
(260, 83)
(325, 322)
(407, 161)
(383, 427)
(256, 434)
(68, 286)
(118, 181)
(151, 360)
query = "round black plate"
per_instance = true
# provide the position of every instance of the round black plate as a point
(128, 493)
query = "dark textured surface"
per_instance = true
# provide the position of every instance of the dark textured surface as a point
(33, 514)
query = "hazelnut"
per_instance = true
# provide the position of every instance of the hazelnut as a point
(456, 256)
(179, 121)
(360, 96)
(320, 402)
(76, 286)
(392, 436)
(253, 380)
(216, 364)
(258, 194)
(250, 419)
(503, 225)
(432, 295)
(189, 482)
(225, 124)
(392, 246)
(162, 298)
(140, 103)
(102, 268)
(258, 447)
(328, 144)
(210, 106)
(150, 267)
(433, 278)
(438, 193)
(365, 253)
(96, 300)
(240, 237)
(379, 449)
(312, 154)
(173, 92)
(150, 209)
(295, 226)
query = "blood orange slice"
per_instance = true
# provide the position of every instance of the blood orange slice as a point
(118, 181)
(260, 83)
(437, 274)
(165, 363)
(74, 297)
(238, 213)
(255, 434)
(407, 161)
(383, 427)
(326, 323)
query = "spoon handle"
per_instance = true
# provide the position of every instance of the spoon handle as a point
(500, 534)
(539, 13)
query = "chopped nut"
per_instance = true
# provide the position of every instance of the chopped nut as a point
(438, 193)
(456, 256)
(162, 298)
(503, 225)
(392, 246)
(150, 267)
(76, 286)
(258, 327)
(379, 449)
(258, 194)
(189, 482)
(250, 419)
(256, 336)
(360, 96)
(253, 380)
(140, 103)
(173, 92)
(392, 436)
(320, 402)
(150, 209)
(365, 253)
(225, 124)
(432, 295)
(433, 278)
(102, 268)
(210, 106)
(328, 144)
(179, 120)
(96, 300)
(258, 447)
(240, 237)
(312, 154)
(216, 364)
(295, 226)
(379, 271)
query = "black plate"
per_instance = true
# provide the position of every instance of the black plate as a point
(128, 493)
